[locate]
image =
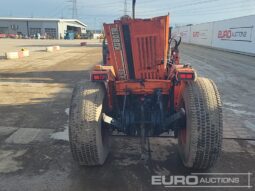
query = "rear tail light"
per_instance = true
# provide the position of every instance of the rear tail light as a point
(186, 76)
(99, 77)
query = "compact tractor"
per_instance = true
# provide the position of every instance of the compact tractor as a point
(143, 90)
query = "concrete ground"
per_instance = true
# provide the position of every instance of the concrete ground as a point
(35, 94)
(10, 45)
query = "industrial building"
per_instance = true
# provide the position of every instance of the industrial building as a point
(52, 28)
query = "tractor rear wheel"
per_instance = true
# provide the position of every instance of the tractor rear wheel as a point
(89, 140)
(200, 135)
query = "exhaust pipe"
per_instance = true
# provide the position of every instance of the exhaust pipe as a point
(133, 8)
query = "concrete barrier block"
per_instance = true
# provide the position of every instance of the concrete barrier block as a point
(21, 55)
(52, 48)
(49, 49)
(57, 47)
(12, 55)
(25, 53)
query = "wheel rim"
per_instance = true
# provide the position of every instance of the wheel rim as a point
(104, 127)
(182, 135)
(105, 134)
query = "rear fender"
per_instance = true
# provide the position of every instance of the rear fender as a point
(185, 73)
(106, 75)
(181, 74)
(102, 73)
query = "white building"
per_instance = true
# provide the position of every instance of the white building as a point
(53, 28)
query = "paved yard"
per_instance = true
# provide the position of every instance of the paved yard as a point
(35, 94)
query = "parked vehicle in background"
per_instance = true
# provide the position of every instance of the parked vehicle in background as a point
(69, 35)
(8, 36)
(3, 36)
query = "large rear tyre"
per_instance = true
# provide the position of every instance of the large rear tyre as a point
(200, 136)
(89, 140)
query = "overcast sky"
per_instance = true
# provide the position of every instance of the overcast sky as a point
(94, 13)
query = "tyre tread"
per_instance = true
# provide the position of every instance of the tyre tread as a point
(85, 122)
(206, 125)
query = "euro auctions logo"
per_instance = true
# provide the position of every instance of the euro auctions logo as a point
(175, 180)
(236, 34)
(205, 180)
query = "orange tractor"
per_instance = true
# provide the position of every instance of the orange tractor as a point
(142, 90)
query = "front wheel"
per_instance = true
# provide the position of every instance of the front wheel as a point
(200, 134)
